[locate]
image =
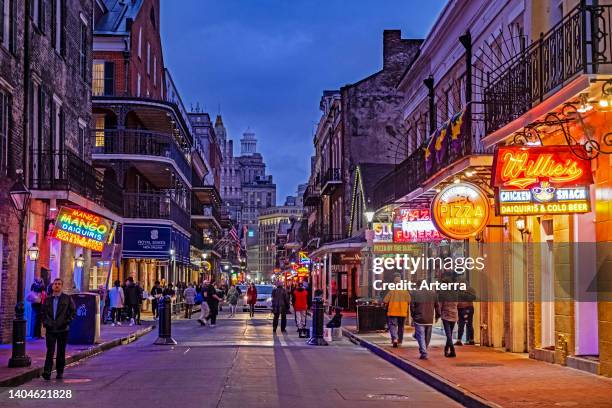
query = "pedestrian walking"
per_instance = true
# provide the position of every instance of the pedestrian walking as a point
(58, 311)
(280, 305)
(142, 295)
(204, 309)
(117, 300)
(232, 299)
(132, 299)
(300, 305)
(396, 302)
(425, 311)
(37, 298)
(212, 299)
(156, 293)
(189, 294)
(251, 299)
(465, 311)
(449, 315)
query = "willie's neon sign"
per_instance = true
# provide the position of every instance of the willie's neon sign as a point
(522, 167)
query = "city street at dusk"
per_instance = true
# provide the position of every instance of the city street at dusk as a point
(308, 203)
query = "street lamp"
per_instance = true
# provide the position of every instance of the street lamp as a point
(33, 252)
(20, 198)
(369, 215)
(173, 262)
(80, 261)
(521, 225)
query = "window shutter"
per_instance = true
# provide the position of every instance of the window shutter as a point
(53, 23)
(109, 76)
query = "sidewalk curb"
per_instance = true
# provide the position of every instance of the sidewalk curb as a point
(35, 372)
(446, 387)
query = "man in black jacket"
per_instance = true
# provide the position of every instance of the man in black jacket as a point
(280, 306)
(425, 311)
(58, 311)
(132, 295)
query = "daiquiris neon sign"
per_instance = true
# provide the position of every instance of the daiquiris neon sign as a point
(82, 228)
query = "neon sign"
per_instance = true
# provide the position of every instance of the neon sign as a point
(83, 229)
(383, 231)
(541, 180)
(461, 210)
(414, 225)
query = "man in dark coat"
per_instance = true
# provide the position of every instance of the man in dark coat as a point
(132, 299)
(425, 311)
(58, 311)
(280, 305)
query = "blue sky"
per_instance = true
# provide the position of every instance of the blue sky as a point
(267, 62)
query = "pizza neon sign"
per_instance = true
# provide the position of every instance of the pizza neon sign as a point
(460, 210)
(541, 180)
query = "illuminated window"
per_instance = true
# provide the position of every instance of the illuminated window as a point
(99, 130)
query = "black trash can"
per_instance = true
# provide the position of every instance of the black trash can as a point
(370, 317)
(85, 328)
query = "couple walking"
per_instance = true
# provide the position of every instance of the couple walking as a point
(210, 304)
(281, 305)
(426, 307)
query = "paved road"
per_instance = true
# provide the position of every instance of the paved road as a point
(239, 363)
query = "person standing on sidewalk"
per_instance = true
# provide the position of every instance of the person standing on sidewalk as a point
(280, 305)
(425, 311)
(189, 294)
(232, 299)
(156, 293)
(397, 310)
(465, 309)
(252, 299)
(132, 296)
(58, 311)
(300, 305)
(212, 299)
(448, 312)
(117, 299)
(204, 309)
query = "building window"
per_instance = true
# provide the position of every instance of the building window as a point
(82, 133)
(103, 78)
(155, 71)
(99, 121)
(148, 58)
(138, 80)
(4, 131)
(57, 25)
(83, 52)
(140, 43)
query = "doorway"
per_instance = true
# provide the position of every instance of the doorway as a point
(548, 286)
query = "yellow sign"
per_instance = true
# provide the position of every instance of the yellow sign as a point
(460, 210)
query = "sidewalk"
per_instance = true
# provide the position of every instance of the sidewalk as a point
(36, 349)
(482, 376)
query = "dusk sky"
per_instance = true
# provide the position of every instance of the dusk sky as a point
(267, 62)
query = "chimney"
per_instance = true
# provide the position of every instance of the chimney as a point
(392, 46)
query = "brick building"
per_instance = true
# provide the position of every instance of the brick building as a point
(45, 134)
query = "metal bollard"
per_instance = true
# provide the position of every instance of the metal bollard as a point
(164, 311)
(318, 311)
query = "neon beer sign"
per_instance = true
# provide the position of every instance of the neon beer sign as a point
(82, 228)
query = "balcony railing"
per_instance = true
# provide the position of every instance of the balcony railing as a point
(580, 43)
(64, 170)
(158, 205)
(211, 211)
(312, 195)
(332, 177)
(141, 143)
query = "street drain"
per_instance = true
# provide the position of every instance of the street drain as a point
(484, 365)
(388, 397)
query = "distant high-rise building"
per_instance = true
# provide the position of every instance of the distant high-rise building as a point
(231, 181)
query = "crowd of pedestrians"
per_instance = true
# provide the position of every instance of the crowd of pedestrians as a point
(426, 308)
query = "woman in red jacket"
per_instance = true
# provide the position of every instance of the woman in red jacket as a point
(300, 305)
(251, 298)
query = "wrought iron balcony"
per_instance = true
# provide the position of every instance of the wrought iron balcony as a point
(64, 170)
(134, 142)
(158, 205)
(201, 211)
(406, 177)
(331, 178)
(312, 195)
(580, 43)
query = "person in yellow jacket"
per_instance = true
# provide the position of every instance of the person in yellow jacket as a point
(397, 310)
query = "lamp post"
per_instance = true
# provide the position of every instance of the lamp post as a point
(369, 216)
(173, 263)
(20, 198)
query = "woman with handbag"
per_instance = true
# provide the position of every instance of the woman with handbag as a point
(37, 298)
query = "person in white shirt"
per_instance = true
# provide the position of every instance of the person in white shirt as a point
(117, 300)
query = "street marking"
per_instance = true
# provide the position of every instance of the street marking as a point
(188, 348)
